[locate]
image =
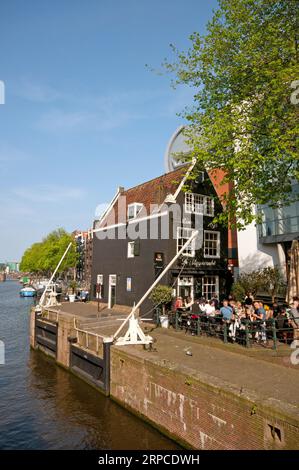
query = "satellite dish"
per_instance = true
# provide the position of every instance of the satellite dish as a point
(176, 145)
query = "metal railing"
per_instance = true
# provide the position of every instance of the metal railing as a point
(268, 333)
(88, 339)
(49, 315)
(84, 338)
(279, 226)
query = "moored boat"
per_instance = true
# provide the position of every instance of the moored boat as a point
(28, 292)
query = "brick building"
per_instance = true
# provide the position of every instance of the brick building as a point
(84, 250)
(129, 247)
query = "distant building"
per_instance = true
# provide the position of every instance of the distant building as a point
(83, 267)
(13, 266)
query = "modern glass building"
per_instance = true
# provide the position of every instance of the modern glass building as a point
(281, 224)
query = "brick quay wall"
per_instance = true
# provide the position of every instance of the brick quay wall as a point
(199, 411)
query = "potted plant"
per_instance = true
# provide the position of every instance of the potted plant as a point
(73, 286)
(162, 296)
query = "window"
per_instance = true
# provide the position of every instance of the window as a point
(133, 210)
(183, 234)
(194, 203)
(199, 204)
(112, 279)
(211, 244)
(200, 177)
(131, 249)
(210, 287)
(209, 206)
(100, 279)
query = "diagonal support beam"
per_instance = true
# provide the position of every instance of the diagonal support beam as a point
(131, 332)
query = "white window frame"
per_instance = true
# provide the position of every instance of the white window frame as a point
(137, 207)
(214, 232)
(184, 233)
(216, 284)
(194, 203)
(130, 250)
(186, 281)
(211, 199)
(198, 204)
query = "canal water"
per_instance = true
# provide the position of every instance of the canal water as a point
(44, 407)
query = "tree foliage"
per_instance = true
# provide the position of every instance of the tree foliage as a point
(243, 119)
(272, 281)
(267, 280)
(247, 283)
(161, 295)
(43, 257)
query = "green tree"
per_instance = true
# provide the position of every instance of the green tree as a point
(32, 260)
(161, 295)
(273, 281)
(267, 281)
(243, 119)
(42, 258)
(247, 283)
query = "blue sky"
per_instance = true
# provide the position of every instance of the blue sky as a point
(83, 114)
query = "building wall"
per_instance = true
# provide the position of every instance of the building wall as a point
(110, 257)
(255, 255)
(222, 189)
(197, 412)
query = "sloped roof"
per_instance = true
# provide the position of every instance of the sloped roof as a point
(151, 192)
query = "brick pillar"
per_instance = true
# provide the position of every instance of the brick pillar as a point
(32, 327)
(65, 330)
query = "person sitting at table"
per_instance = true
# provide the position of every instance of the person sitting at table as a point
(210, 308)
(226, 311)
(195, 307)
(188, 303)
(202, 305)
(178, 303)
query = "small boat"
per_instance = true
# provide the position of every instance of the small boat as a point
(27, 292)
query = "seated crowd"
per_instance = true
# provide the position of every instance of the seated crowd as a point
(234, 313)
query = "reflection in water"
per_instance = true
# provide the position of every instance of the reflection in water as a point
(42, 406)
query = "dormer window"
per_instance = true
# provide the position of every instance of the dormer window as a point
(134, 209)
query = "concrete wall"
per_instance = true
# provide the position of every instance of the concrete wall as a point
(202, 413)
(254, 255)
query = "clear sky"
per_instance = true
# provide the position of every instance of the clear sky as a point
(83, 114)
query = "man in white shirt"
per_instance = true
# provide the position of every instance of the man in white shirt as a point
(210, 308)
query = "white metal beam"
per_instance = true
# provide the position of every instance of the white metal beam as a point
(139, 303)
